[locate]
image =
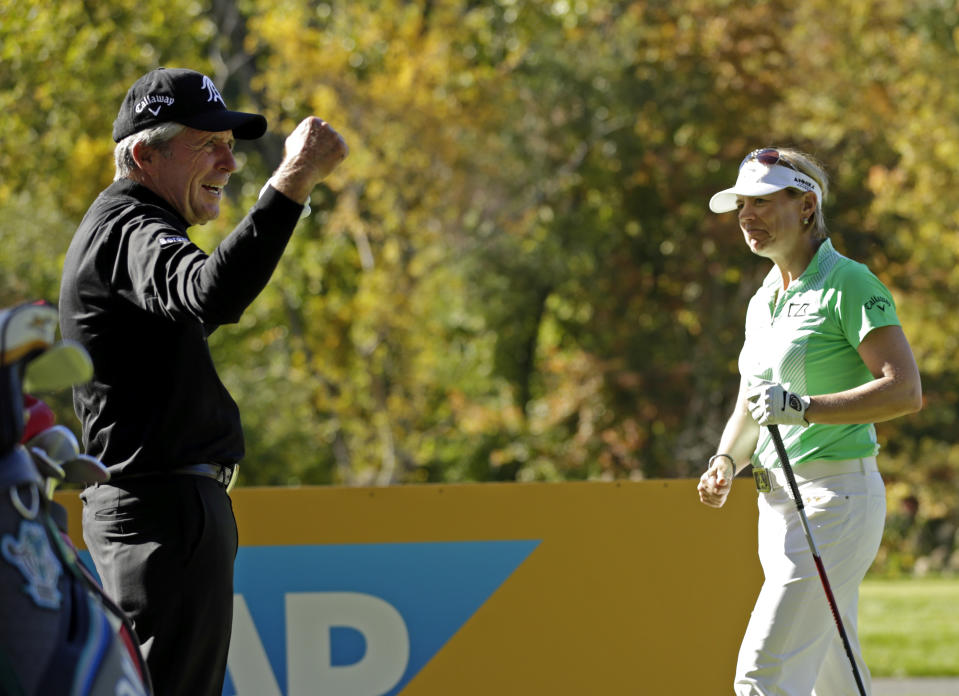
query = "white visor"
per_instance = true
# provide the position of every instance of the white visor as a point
(758, 179)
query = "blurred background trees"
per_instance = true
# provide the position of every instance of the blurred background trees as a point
(514, 276)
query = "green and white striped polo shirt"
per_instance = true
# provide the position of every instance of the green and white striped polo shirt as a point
(807, 338)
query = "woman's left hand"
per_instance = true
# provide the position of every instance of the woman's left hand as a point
(772, 404)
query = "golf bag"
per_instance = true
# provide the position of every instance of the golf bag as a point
(59, 633)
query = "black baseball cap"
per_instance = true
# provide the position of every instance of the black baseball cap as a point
(184, 96)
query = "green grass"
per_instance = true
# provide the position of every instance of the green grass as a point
(910, 627)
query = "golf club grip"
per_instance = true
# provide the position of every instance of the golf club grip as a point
(820, 568)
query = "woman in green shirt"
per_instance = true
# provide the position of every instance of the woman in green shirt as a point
(824, 357)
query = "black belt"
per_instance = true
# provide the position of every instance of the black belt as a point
(220, 473)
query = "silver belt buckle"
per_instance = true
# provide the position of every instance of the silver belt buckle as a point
(232, 481)
(761, 477)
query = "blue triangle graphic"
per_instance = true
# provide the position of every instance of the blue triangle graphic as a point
(435, 586)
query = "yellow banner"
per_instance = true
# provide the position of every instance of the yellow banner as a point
(555, 589)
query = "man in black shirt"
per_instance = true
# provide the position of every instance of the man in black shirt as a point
(142, 299)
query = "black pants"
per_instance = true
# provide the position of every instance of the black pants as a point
(164, 547)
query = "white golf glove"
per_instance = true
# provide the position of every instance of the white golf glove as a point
(771, 404)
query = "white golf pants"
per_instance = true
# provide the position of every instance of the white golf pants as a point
(792, 646)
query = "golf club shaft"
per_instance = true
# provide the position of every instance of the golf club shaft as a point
(790, 477)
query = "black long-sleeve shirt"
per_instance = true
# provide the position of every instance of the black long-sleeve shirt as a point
(142, 299)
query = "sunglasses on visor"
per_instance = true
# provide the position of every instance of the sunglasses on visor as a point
(768, 156)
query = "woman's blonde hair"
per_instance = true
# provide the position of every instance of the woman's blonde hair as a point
(813, 168)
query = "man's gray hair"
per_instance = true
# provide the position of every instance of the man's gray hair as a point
(153, 137)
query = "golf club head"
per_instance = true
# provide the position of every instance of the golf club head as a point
(60, 366)
(57, 442)
(85, 469)
(48, 468)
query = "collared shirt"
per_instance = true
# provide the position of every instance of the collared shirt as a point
(142, 298)
(806, 337)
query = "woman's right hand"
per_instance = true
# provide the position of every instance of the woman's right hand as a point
(716, 482)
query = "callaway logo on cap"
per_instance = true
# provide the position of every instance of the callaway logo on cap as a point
(177, 95)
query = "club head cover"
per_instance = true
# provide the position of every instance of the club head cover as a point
(39, 417)
(25, 330)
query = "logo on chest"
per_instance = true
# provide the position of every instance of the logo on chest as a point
(797, 309)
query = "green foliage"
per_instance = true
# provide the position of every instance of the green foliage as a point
(514, 275)
(64, 68)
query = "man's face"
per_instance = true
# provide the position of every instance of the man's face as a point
(191, 171)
